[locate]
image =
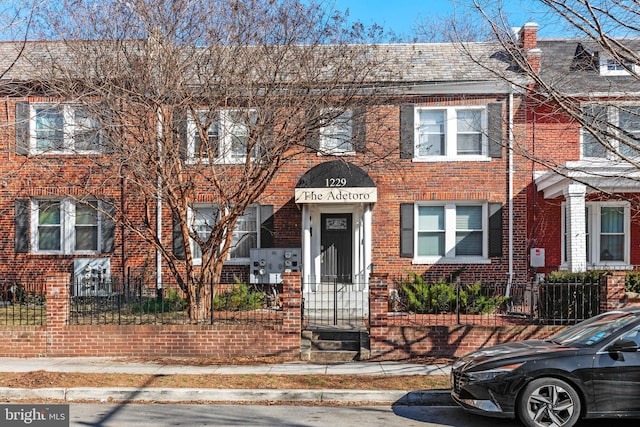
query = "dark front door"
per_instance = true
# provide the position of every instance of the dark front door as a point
(336, 247)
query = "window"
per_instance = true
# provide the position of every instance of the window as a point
(244, 236)
(450, 132)
(607, 228)
(613, 67)
(336, 137)
(66, 226)
(455, 230)
(617, 131)
(228, 136)
(61, 128)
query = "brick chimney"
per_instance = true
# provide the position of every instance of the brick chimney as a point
(528, 39)
(528, 36)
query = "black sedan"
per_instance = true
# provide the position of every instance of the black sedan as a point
(590, 370)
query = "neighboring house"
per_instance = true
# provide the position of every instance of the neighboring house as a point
(585, 211)
(450, 196)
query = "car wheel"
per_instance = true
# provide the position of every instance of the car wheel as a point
(549, 402)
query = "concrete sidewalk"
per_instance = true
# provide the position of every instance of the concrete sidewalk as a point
(128, 394)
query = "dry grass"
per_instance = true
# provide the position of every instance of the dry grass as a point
(44, 379)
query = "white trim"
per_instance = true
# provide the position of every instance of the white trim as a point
(311, 241)
(69, 128)
(224, 137)
(228, 261)
(450, 234)
(67, 228)
(593, 261)
(450, 134)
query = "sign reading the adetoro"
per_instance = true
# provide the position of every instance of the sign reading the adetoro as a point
(337, 195)
(336, 182)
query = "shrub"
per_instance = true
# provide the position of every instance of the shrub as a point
(632, 282)
(239, 297)
(423, 297)
(170, 302)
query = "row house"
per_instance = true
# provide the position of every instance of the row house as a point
(453, 194)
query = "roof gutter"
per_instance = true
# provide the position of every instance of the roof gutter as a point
(510, 188)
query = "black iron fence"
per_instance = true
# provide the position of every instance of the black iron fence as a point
(22, 303)
(414, 300)
(138, 300)
(335, 302)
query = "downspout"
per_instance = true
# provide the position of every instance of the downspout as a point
(510, 188)
(159, 207)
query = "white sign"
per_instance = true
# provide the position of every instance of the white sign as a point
(337, 195)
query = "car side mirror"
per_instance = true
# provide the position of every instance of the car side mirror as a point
(622, 345)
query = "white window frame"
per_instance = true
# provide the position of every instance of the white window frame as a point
(612, 67)
(594, 232)
(67, 227)
(450, 230)
(229, 260)
(613, 118)
(451, 133)
(332, 132)
(70, 127)
(225, 125)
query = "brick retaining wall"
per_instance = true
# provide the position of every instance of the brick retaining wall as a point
(388, 341)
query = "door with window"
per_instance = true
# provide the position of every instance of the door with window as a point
(336, 251)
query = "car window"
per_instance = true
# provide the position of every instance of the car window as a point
(592, 331)
(634, 335)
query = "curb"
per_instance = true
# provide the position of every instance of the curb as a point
(104, 395)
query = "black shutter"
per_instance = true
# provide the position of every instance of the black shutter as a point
(178, 241)
(407, 132)
(22, 221)
(22, 128)
(406, 230)
(180, 132)
(494, 131)
(312, 125)
(495, 229)
(359, 129)
(107, 226)
(266, 226)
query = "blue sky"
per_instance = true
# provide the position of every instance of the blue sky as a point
(401, 15)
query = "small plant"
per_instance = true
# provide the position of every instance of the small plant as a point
(632, 282)
(473, 300)
(442, 297)
(239, 297)
(171, 302)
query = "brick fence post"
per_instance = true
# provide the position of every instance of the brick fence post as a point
(292, 301)
(57, 309)
(612, 290)
(378, 312)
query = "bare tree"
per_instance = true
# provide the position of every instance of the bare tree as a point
(568, 84)
(200, 103)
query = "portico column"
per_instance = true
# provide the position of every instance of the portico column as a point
(576, 227)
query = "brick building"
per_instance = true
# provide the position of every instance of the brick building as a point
(454, 193)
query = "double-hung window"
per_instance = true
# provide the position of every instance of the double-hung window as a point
(336, 137)
(611, 131)
(613, 67)
(66, 226)
(60, 128)
(227, 137)
(607, 227)
(450, 230)
(450, 132)
(244, 236)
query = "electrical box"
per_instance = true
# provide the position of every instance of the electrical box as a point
(92, 277)
(268, 264)
(537, 257)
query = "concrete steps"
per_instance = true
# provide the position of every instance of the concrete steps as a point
(324, 344)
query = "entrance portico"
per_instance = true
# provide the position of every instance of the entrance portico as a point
(336, 198)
